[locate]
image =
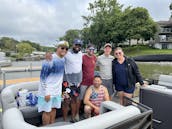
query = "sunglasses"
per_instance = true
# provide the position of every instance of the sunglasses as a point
(118, 53)
(64, 48)
(91, 49)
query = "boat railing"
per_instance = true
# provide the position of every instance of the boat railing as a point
(4, 71)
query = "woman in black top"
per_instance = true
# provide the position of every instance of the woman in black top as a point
(125, 75)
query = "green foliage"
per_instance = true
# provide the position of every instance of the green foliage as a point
(34, 45)
(153, 70)
(107, 22)
(70, 35)
(7, 43)
(170, 6)
(103, 23)
(138, 24)
(144, 50)
(24, 49)
(45, 49)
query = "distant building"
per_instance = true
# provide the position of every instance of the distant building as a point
(163, 39)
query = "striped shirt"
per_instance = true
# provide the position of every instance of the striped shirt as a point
(97, 98)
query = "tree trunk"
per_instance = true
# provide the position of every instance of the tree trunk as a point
(142, 41)
(129, 42)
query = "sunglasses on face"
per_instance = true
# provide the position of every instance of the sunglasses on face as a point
(91, 49)
(64, 48)
(118, 53)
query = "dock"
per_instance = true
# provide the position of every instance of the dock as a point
(20, 69)
(16, 69)
(15, 81)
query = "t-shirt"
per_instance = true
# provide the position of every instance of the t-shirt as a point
(51, 76)
(121, 74)
(88, 66)
(73, 67)
(105, 66)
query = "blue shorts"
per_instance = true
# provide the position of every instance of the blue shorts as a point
(54, 102)
(125, 89)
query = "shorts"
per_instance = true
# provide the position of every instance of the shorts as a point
(108, 84)
(71, 90)
(83, 89)
(126, 89)
(54, 102)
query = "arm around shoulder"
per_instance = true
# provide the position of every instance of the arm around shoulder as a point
(106, 98)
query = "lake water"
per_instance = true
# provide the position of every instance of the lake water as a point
(27, 74)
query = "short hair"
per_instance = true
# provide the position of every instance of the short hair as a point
(90, 45)
(48, 52)
(118, 48)
(97, 76)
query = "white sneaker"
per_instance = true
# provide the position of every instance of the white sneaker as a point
(77, 117)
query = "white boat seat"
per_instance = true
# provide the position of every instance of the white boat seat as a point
(98, 122)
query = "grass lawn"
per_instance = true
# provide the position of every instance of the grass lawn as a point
(144, 50)
(149, 70)
(152, 71)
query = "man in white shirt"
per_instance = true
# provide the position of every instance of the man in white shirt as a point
(73, 75)
(104, 63)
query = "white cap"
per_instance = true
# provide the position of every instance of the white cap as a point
(62, 43)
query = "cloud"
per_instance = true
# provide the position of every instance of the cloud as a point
(44, 21)
(158, 9)
(41, 21)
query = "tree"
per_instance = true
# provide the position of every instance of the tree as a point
(70, 35)
(138, 24)
(107, 22)
(7, 43)
(34, 45)
(104, 21)
(24, 49)
(171, 8)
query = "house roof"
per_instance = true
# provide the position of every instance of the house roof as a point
(165, 23)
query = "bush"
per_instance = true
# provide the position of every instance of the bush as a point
(7, 54)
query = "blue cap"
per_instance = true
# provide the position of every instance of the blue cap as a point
(77, 41)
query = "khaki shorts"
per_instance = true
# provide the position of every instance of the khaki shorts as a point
(108, 85)
(83, 89)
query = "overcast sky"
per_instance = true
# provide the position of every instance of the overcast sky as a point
(44, 21)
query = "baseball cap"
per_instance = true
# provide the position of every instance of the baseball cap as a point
(62, 43)
(107, 45)
(77, 41)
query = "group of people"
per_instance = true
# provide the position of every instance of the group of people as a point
(68, 78)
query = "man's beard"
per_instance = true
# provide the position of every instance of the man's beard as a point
(76, 50)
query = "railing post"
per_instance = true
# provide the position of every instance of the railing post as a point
(4, 79)
(31, 67)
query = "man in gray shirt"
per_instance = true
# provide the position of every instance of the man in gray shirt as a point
(104, 63)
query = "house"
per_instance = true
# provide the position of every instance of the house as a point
(163, 39)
